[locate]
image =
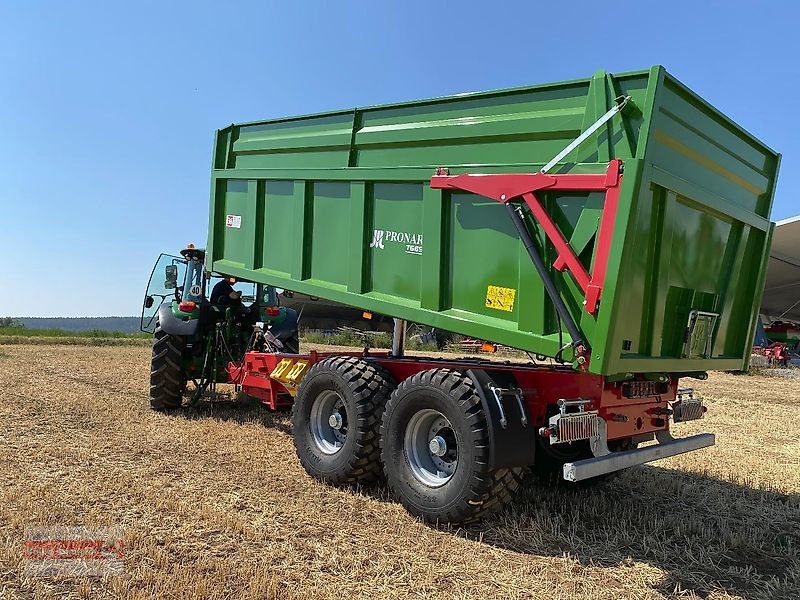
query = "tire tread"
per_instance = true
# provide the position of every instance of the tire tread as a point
(489, 490)
(371, 386)
(167, 379)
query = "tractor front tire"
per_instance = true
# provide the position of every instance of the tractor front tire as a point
(167, 377)
(336, 420)
(435, 444)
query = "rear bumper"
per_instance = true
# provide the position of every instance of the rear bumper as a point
(592, 467)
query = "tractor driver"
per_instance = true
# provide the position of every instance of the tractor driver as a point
(223, 293)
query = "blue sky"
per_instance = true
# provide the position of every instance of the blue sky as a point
(107, 110)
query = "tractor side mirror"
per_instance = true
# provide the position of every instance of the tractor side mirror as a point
(171, 277)
(148, 302)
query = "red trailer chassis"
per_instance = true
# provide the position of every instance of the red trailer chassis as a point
(549, 401)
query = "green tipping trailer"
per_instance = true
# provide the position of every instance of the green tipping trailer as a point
(346, 206)
(619, 224)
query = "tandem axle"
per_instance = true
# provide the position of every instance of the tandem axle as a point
(561, 422)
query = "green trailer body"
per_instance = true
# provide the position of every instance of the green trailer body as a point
(340, 206)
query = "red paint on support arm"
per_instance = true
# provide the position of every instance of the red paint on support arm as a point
(507, 187)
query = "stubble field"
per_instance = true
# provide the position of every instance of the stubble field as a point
(214, 504)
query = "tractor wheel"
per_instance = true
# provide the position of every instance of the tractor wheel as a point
(167, 378)
(336, 419)
(435, 450)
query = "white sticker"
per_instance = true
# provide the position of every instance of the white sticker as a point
(411, 241)
(195, 290)
(234, 221)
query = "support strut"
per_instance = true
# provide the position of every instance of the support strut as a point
(399, 338)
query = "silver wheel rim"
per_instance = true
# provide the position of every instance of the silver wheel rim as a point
(328, 421)
(430, 447)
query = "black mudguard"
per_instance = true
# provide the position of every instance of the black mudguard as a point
(175, 326)
(515, 444)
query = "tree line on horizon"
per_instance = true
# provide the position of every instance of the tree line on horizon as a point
(74, 324)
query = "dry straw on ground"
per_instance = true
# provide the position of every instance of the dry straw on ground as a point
(214, 504)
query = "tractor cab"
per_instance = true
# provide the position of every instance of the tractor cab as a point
(194, 279)
(177, 280)
(178, 304)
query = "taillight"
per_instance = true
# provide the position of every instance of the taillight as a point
(187, 306)
(272, 311)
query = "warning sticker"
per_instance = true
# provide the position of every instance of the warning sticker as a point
(234, 221)
(500, 298)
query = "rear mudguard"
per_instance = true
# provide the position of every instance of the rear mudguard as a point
(512, 436)
(173, 325)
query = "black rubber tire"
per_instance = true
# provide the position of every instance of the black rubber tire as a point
(550, 459)
(167, 377)
(364, 388)
(474, 491)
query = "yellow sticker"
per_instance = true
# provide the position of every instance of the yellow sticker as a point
(500, 298)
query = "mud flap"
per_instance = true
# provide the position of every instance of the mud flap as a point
(512, 437)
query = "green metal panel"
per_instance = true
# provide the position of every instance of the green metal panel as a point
(331, 230)
(338, 205)
(278, 249)
(396, 258)
(238, 208)
(483, 252)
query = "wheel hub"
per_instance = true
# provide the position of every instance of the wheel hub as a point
(336, 421)
(430, 447)
(328, 422)
(438, 446)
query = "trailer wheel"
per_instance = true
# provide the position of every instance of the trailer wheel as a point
(167, 378)
(336, 419)
(435, 450)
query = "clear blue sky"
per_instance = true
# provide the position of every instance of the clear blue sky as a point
(108, 109)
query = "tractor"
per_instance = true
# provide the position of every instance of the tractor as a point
(200, 341)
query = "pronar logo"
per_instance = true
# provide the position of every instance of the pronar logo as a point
(411, 241)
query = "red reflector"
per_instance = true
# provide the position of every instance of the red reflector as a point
(272, 311)
(187, 307)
